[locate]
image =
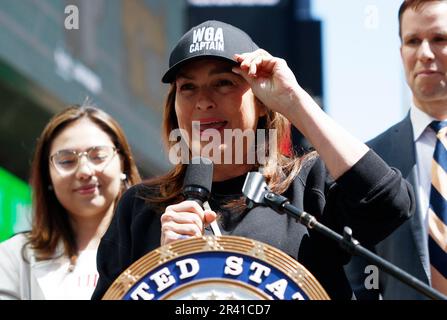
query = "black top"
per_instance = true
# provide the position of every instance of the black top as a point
(371, 198)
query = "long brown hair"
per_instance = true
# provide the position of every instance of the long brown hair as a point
(279, 172)
(50, 219)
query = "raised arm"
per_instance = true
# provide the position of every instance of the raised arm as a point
(275, 85)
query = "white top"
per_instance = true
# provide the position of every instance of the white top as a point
(425, 142)
(44, 280)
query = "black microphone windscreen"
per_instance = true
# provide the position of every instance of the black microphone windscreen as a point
(199, 173)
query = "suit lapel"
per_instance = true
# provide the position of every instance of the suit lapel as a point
(402, 142)
(418, 228)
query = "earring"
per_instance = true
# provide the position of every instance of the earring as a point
(123, 176)
(50, 187)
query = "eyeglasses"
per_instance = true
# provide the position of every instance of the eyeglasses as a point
(67, 161)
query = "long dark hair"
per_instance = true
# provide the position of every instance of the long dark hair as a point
(50, 219)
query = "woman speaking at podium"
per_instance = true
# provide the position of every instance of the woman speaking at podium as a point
(220, 83)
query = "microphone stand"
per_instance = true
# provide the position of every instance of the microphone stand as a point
(347, 242)
(261, 194)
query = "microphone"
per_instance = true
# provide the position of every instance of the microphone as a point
(254, 189)
(257, 192)
(198, 180)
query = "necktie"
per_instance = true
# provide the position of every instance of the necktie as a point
(437, 215)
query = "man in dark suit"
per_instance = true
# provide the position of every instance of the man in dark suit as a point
(409, 146)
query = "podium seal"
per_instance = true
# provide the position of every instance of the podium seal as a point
(216, 268)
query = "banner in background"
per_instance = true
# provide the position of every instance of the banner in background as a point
(15, 205)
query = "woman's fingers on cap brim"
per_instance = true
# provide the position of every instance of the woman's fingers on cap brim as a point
(252, 61)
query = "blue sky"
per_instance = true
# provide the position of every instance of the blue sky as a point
(364, 84)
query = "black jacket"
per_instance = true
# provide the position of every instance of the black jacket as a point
(371, 198)
(407, 247)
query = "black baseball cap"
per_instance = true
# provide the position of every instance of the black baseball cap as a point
(211, 38)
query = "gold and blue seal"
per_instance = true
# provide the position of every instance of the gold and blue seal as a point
(216, 268)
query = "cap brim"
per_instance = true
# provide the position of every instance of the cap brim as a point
(170, 75)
